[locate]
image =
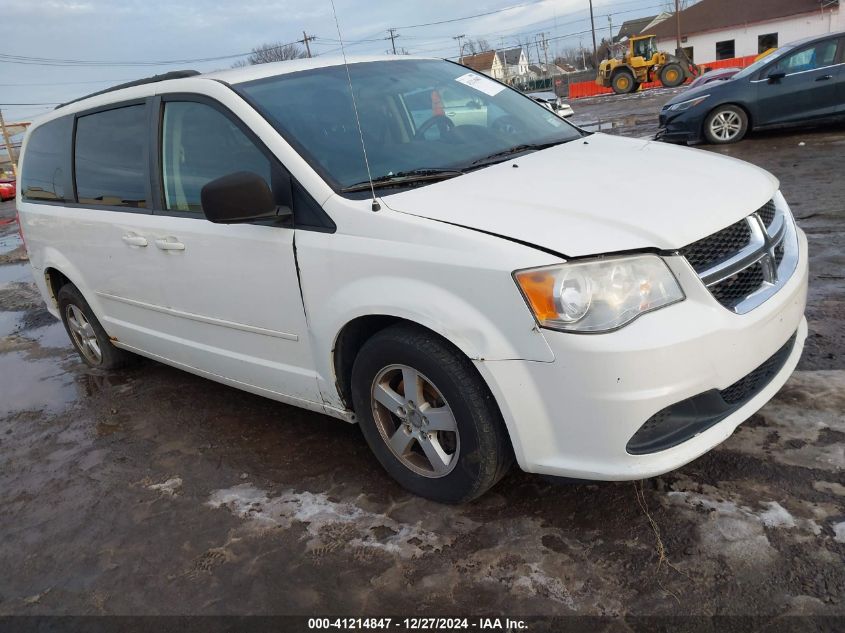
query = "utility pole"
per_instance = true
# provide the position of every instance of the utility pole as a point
(460, 40)
(8, 142)
(305, 39)
(610, 27)
(678, 26)
(593, 28)
(392, 37)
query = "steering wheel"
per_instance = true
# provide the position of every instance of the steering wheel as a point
(507, 124)
(440, 120)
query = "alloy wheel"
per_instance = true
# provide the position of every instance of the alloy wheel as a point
(415, 421)
(726, 125)
(83, 334)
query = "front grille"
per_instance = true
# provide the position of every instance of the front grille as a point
(715, 248)
(746, 258)
(767, 213)
(683, 420)
(734, 289)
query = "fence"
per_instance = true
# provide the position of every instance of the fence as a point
(591, 89)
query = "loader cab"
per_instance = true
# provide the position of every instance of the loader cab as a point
(644, 47)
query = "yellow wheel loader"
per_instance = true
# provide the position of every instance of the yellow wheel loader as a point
(637, 61)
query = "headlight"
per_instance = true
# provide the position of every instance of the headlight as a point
(598, 295)
(686, 105)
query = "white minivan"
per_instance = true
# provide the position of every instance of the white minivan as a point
(471, 290)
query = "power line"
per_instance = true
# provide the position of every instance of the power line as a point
(469, 17)
(50, 61)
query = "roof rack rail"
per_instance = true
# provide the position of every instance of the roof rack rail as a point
(174, 74)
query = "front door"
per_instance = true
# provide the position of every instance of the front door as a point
(807, 89)
(233, 306)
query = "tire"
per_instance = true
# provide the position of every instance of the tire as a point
(87, 335)
(470, 443)
(725, 124)
(672, 75)
(623, 82)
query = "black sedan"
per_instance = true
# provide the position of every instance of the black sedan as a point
(801, 82)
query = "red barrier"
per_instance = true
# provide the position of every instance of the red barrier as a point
(591, 89)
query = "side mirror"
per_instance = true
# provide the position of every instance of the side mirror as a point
(240, 197)
(776, 76)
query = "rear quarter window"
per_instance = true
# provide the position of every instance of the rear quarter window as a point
(46, 163)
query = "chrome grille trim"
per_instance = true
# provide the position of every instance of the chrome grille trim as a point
(774, 249)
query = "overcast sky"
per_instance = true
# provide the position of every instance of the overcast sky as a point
(163, 30)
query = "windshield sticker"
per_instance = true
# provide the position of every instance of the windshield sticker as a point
(481, 83)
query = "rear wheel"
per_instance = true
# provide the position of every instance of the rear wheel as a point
(428, 416)
(672, 75)
(726, 124)
(85, 332)
(623, 82)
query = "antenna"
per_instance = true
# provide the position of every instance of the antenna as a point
(376, 205)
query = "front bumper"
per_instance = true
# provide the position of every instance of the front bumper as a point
(575, 416)
(680, 127)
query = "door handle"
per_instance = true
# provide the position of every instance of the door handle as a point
(824, 78)
(170, 244)
(133, 239)
(450, 114)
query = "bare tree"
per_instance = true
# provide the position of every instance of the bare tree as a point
(272, 53)
(473, 47)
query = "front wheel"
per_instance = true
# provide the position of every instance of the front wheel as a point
(623, 83)
(725, 124)
(428, 416)
(672, 75)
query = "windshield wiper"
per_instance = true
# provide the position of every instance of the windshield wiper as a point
(517, 149)
(403, 178)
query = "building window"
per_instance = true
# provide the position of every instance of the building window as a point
(689, 51)
(725, 50)
(767, 41)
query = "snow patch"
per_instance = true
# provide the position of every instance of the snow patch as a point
(169, 487)
(538, 583)
(776, 516)
(839, 532)
(330, 525)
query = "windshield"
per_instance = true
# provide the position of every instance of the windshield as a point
(415, 116)
(753, 68)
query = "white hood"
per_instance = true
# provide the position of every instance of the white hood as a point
(600, 194)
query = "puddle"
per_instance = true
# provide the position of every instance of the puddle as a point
(30, 384)
(602, 125)
(8, 243)
(10, 322)
(53, 335)
(15, 272)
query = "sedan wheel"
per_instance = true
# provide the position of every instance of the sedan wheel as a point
(726, 125)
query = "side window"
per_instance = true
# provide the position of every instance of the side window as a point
(818, 56)
(110, 160)
(200, 144)
(46, 162)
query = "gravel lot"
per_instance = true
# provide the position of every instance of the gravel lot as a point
(151, 491)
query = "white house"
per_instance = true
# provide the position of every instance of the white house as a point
(505, 65)
(514, 62)
(724, 29)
